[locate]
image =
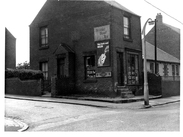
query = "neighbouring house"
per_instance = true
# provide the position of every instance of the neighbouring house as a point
(167, 65)
(167, 37)
(168, 48)
(168, 55)
(10, 50)
(92, 46)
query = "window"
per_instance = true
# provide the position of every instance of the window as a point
(177, 70)
(89, 66)
(165, 70)
(152, 67)
(44, 69)
(126, 25)
(173, 70)
(157, 65)
(133, 69)
(44, 37)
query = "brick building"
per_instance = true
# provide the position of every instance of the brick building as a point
(168, 48)
(97, 44)
(10, 50)
(167, 37)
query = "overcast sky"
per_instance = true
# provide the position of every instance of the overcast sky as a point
(18, 15)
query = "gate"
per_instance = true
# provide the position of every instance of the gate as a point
(46, 86)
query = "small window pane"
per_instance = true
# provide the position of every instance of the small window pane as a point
(126, 22)
(126, 32)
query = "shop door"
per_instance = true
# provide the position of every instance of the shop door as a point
(120, 69)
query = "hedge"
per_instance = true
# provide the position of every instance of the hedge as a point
(23, 74)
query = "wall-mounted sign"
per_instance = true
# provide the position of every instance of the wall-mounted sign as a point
(102, 33)
(103, 58)
(103, 74)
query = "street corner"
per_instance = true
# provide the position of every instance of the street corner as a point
(14, 125)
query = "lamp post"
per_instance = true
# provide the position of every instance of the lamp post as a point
(146, 89)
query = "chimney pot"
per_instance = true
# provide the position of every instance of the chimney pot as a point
(159, 18)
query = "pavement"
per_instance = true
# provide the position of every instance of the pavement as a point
(12, 124)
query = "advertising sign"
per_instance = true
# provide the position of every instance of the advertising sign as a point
(103, 58)
(102, 33)
(103, 74)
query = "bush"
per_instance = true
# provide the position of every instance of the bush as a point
(154, 83)
(23, 74)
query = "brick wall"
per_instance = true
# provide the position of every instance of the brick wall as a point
(10, 50)
(18, 87)
(170, 88)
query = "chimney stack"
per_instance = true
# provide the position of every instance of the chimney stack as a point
(159, 18)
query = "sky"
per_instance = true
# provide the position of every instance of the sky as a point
(18, 15)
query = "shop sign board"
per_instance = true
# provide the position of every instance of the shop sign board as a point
(102, 33)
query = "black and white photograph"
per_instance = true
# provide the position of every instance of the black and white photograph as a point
(91, 65)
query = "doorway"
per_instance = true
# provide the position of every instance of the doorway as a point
(60, 67)
(120, 69)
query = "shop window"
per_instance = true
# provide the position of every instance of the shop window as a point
(133, 69)
(43, 37)
(44, 69)
(126, 25)
(89, 67)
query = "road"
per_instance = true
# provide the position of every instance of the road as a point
(44, 116)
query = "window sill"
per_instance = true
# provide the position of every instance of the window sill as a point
(90, 81)
(126, 39)
(42, 48)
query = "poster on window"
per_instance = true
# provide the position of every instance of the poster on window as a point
(103, 58)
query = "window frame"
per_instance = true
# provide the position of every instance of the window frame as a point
(43, 36)
(90, 67)
(127, 27)
(165, 69)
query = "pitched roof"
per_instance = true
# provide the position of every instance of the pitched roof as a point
(161, 55)
(119, 6)
(173, 28)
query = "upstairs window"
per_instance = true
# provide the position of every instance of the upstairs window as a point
(43, 37)
(126, 25)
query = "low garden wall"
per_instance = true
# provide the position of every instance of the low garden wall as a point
(26, 87)
(23, 82)
(170, 88)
